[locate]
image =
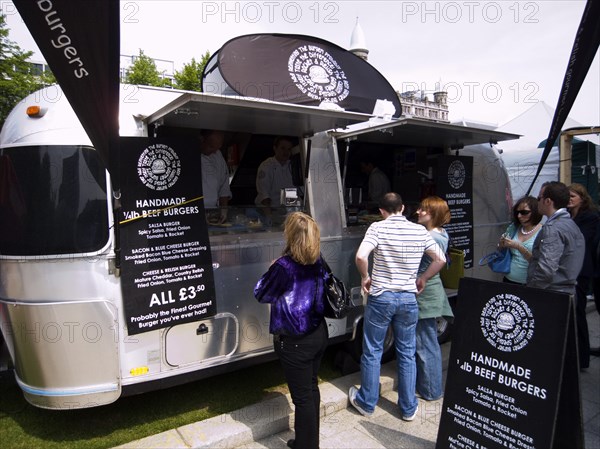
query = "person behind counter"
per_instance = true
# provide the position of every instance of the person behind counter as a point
(295, 288)
(274, 174)
(519, 238)
(215, 176)
(379, 184)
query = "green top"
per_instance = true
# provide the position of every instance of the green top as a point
(433, 301)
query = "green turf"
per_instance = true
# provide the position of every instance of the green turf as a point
(134, 417)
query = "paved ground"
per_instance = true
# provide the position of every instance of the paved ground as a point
(267, 424)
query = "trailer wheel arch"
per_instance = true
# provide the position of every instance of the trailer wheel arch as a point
(444, 329)
(5, 359)
(354, 346)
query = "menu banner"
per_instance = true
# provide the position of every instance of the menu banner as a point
(166, 276)
(512, 373)
(455, 186)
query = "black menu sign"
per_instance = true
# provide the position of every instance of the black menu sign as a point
(167, 277)
(455, 186)
(513, 373)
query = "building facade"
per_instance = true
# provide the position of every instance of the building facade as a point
(417, 104)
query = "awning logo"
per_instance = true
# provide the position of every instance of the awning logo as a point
(159, 167)
(317, 74)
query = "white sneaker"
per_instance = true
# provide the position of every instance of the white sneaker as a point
(411, 417)
(352, 398)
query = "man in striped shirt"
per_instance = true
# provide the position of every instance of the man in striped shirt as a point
(398, 246)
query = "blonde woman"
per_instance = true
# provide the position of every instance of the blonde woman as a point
(433, 213)
(294, 286)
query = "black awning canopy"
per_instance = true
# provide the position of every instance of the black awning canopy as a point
(423, 133)
(205, 111)
(256, 116)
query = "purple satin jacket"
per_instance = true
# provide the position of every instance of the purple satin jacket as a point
(296, 294)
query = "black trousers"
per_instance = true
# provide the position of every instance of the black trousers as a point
(508, 281)
(583, 336)
(596, 289)
(301, 358)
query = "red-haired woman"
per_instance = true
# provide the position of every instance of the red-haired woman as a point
(433, 213)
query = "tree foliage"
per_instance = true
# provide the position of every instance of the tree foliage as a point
(17, 80)
(143, 72)
(190, 77)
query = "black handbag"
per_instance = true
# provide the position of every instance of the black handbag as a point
(337, 298)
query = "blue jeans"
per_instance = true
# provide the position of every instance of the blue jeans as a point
(401, 311)
(429, 360)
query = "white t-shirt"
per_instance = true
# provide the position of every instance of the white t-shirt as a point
(215, 179)
(271, 177)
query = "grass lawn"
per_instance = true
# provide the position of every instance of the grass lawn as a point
(23, 426)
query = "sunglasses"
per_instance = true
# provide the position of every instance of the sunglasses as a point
(523, 212)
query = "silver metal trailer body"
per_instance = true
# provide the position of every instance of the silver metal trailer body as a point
(61, 303)
(59, 312)
(62, 312)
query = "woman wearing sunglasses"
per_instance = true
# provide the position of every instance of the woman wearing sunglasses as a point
(520, 236)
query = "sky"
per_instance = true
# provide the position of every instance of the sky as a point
(495, 59)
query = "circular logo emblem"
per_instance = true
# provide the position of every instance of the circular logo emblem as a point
(507, 323)
(317, 74)
(456, 174)
(159, 167)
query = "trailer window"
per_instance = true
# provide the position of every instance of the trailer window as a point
(244, 155)
(369, 166)
(52, 201)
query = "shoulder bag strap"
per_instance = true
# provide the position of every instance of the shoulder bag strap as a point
(325, 264)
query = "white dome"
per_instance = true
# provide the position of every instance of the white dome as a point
(358, 41)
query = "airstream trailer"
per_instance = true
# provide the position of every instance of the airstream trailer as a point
(74, 260)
